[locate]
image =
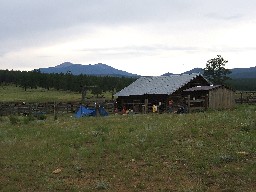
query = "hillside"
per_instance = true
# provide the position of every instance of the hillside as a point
(243, 73)
(77, 69)
(236, 73)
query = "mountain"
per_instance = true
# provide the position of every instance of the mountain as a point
(77, 69)
(168, 74)
(105, 70)
(236, 73)
(195, 70)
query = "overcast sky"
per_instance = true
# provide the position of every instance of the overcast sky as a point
(145, 37)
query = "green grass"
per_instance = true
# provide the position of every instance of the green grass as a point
(211, 151)
(15, 94)
(11, 93)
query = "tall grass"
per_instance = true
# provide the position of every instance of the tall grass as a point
(211, 151)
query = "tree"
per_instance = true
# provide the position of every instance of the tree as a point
(215, 70)
(97, 91)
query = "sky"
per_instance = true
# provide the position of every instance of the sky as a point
(144, 37)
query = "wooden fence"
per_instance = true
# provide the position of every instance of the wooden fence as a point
(196, 104)
(22, 108)
(248, 97)
(8, 108)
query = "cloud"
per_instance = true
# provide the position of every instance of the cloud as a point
(113, 30)
(140, 51)
(221, 16)
(29, 19)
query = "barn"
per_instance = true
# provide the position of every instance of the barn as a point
(161, 91)
(210, 97)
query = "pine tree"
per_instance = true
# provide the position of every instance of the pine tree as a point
(215, 70)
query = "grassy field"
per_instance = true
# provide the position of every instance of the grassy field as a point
(12, 93)
(15, 94)
(210, 151)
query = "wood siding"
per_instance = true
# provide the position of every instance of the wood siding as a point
(221, 98)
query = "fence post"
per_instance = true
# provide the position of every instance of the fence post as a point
(97, 109)
(188, 103)
(54, 111)
(146, 106)
(206, 101)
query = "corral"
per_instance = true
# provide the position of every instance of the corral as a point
(28, 108)
(246, 97)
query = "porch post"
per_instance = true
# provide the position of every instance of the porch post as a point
(188, 103)
(146, 106)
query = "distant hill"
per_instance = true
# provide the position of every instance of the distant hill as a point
(195, 70)
(77, 69)
(105, 70)
(236, 73)
(168, 74)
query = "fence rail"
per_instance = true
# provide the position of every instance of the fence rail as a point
(248, 97)
(19, 108)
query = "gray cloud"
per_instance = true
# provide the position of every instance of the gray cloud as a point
(156, 49)
(35, 23)
(29, 18)
(221, 16)
(146, 49)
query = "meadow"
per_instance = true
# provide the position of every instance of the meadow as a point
(12, 93)
(207, 151)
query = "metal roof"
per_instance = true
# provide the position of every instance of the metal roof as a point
(157, 85)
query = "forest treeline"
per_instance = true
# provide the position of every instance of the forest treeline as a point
(242, 84)
(97, 84)
(66, 82)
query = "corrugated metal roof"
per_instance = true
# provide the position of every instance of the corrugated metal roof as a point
(157, 85)
(203, 88)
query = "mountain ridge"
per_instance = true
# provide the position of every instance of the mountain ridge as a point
(236, 73)
(101, 69)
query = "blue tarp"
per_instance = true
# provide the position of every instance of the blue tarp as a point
(84, 111)
(102, 111)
